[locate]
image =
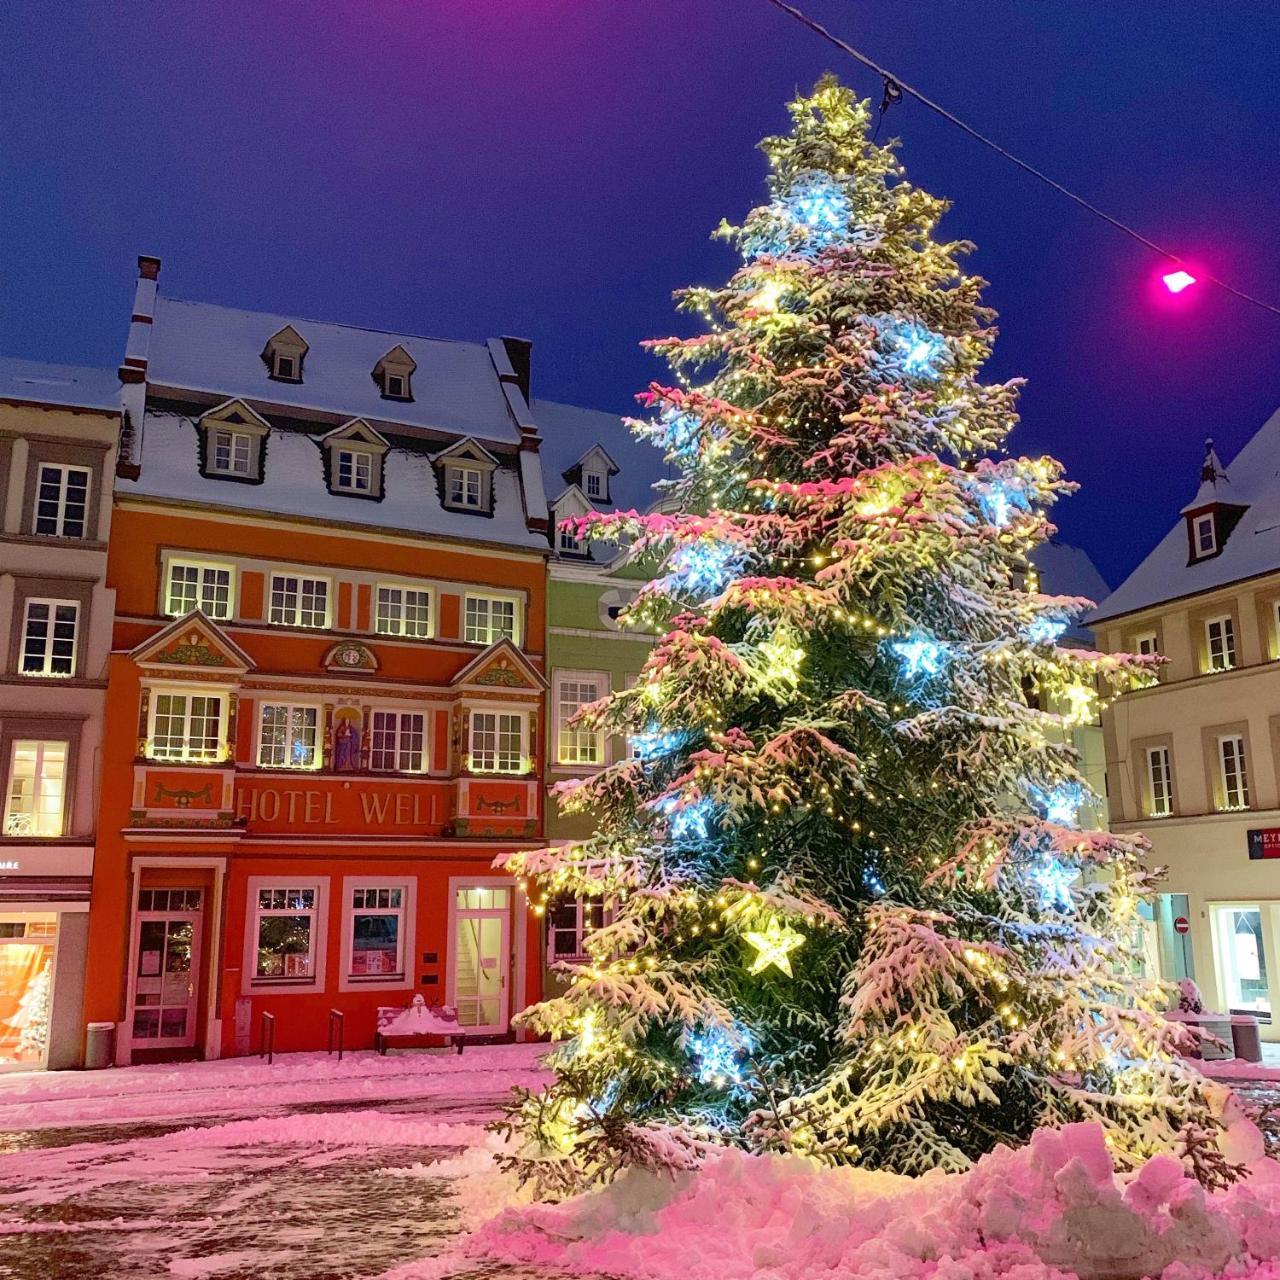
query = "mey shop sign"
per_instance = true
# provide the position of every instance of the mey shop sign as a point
(1264, 842)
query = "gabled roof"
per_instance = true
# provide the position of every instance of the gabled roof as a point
(493, 665)
(595, 451)
(196, 346)
(356, 429)
(469, 449)
(1215, 487)
(193, 643)
(62, 385)
(236, 412)
(1252, 549)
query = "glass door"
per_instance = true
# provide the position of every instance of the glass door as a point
(166, 968)
(482, 921)
(27, 944)
(1243, 952)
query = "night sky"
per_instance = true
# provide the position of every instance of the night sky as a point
(553, 168)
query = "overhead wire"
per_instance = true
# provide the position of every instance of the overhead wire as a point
(890, 77)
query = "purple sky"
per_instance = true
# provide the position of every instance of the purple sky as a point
(553, 168)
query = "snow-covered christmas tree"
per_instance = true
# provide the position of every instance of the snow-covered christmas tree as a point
(852, 912)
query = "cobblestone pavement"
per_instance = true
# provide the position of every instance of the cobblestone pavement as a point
(148, 1199)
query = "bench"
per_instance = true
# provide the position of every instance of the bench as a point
(419, 1026)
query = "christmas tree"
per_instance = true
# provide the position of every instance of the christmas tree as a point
(852, 913)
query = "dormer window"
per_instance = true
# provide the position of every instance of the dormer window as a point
(232, 443)
(591, 474)
(594, 484)
(465, 472)
(394, 374)
(465, 486)
(571, 545)
(355, 457)
(1205, 535)
(285, 354)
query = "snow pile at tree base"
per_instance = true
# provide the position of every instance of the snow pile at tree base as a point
(1052, 1210)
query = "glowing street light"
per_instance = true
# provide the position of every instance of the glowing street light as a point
(1176, 281)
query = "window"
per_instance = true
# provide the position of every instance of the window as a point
(1220, 635)
(489, 619)
(399, 742)
(577, 744)
(62, 501)
(377, 931)
(1243, 959)
(575, 546)
(193, 585)
(403, 611)
(230, 452)
(1235, 783)
(594, 484)
(396, 388)
(49, 638)
(353, 470)
(186, 726)
(285, 367)
(1146, 644)
(464, 487)
(568, 925)
(36, 795)
(287, 736)
(1159, 783)
(284, 928)
(299, 602)
(497, 742)
(1205, 536)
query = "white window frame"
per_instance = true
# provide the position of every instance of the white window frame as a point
(237, 442)
(402, 981)
(560, 719)
(1231, 758)
(1146, 643)
(45, 669)
(294, 610)
(251, 982)
(571, 544)
(1159, 779)
(277, 360)
(1199, 527)
(579, 931)
(401, 608)
(317, 760)
(498, 712)
(402, 379)
(38, 787)
(600, 488)
(398, 730)
(359, 457)
(1227, 633)
(186, 755)
(202, 568)
(466, 474)
(488, 599)
(64, 470)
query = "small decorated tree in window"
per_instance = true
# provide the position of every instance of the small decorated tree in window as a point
(853, 913)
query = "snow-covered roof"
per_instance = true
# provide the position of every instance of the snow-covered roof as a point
(293, 484)
(69, 386)
(568, 435)
(1252, 548)
(1065, 570)
(196, 346)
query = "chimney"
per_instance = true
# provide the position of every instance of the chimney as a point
(520, 354)
(133, 372)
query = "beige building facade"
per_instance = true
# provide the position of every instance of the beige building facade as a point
(58, 436)
(1194, 761)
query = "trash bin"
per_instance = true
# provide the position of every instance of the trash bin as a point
(99, 1045)
(1246, 1038)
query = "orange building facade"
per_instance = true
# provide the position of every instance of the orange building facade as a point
(325, 700)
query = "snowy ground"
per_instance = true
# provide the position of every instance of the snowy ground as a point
(304, 1170)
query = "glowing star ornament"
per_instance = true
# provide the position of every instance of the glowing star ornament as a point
(717, 1054)
(1062, 804)
(1177, 281)
(1045, 630)
(768, 296)
(705, 567)
(1081, 701)
(920, 656)
(920, 352)
(820, 206)
(1053, 881)
(774, 946)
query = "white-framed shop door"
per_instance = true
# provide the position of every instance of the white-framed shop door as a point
(480, 954)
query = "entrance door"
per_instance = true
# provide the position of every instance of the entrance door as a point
(166, 968)
(482, 954)
(27, 943)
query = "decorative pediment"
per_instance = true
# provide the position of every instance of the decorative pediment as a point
(237, 414)
(356, 431)
(193, 643)
(350, 655)
(594, 457)
(466, 451)
(501, 666)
